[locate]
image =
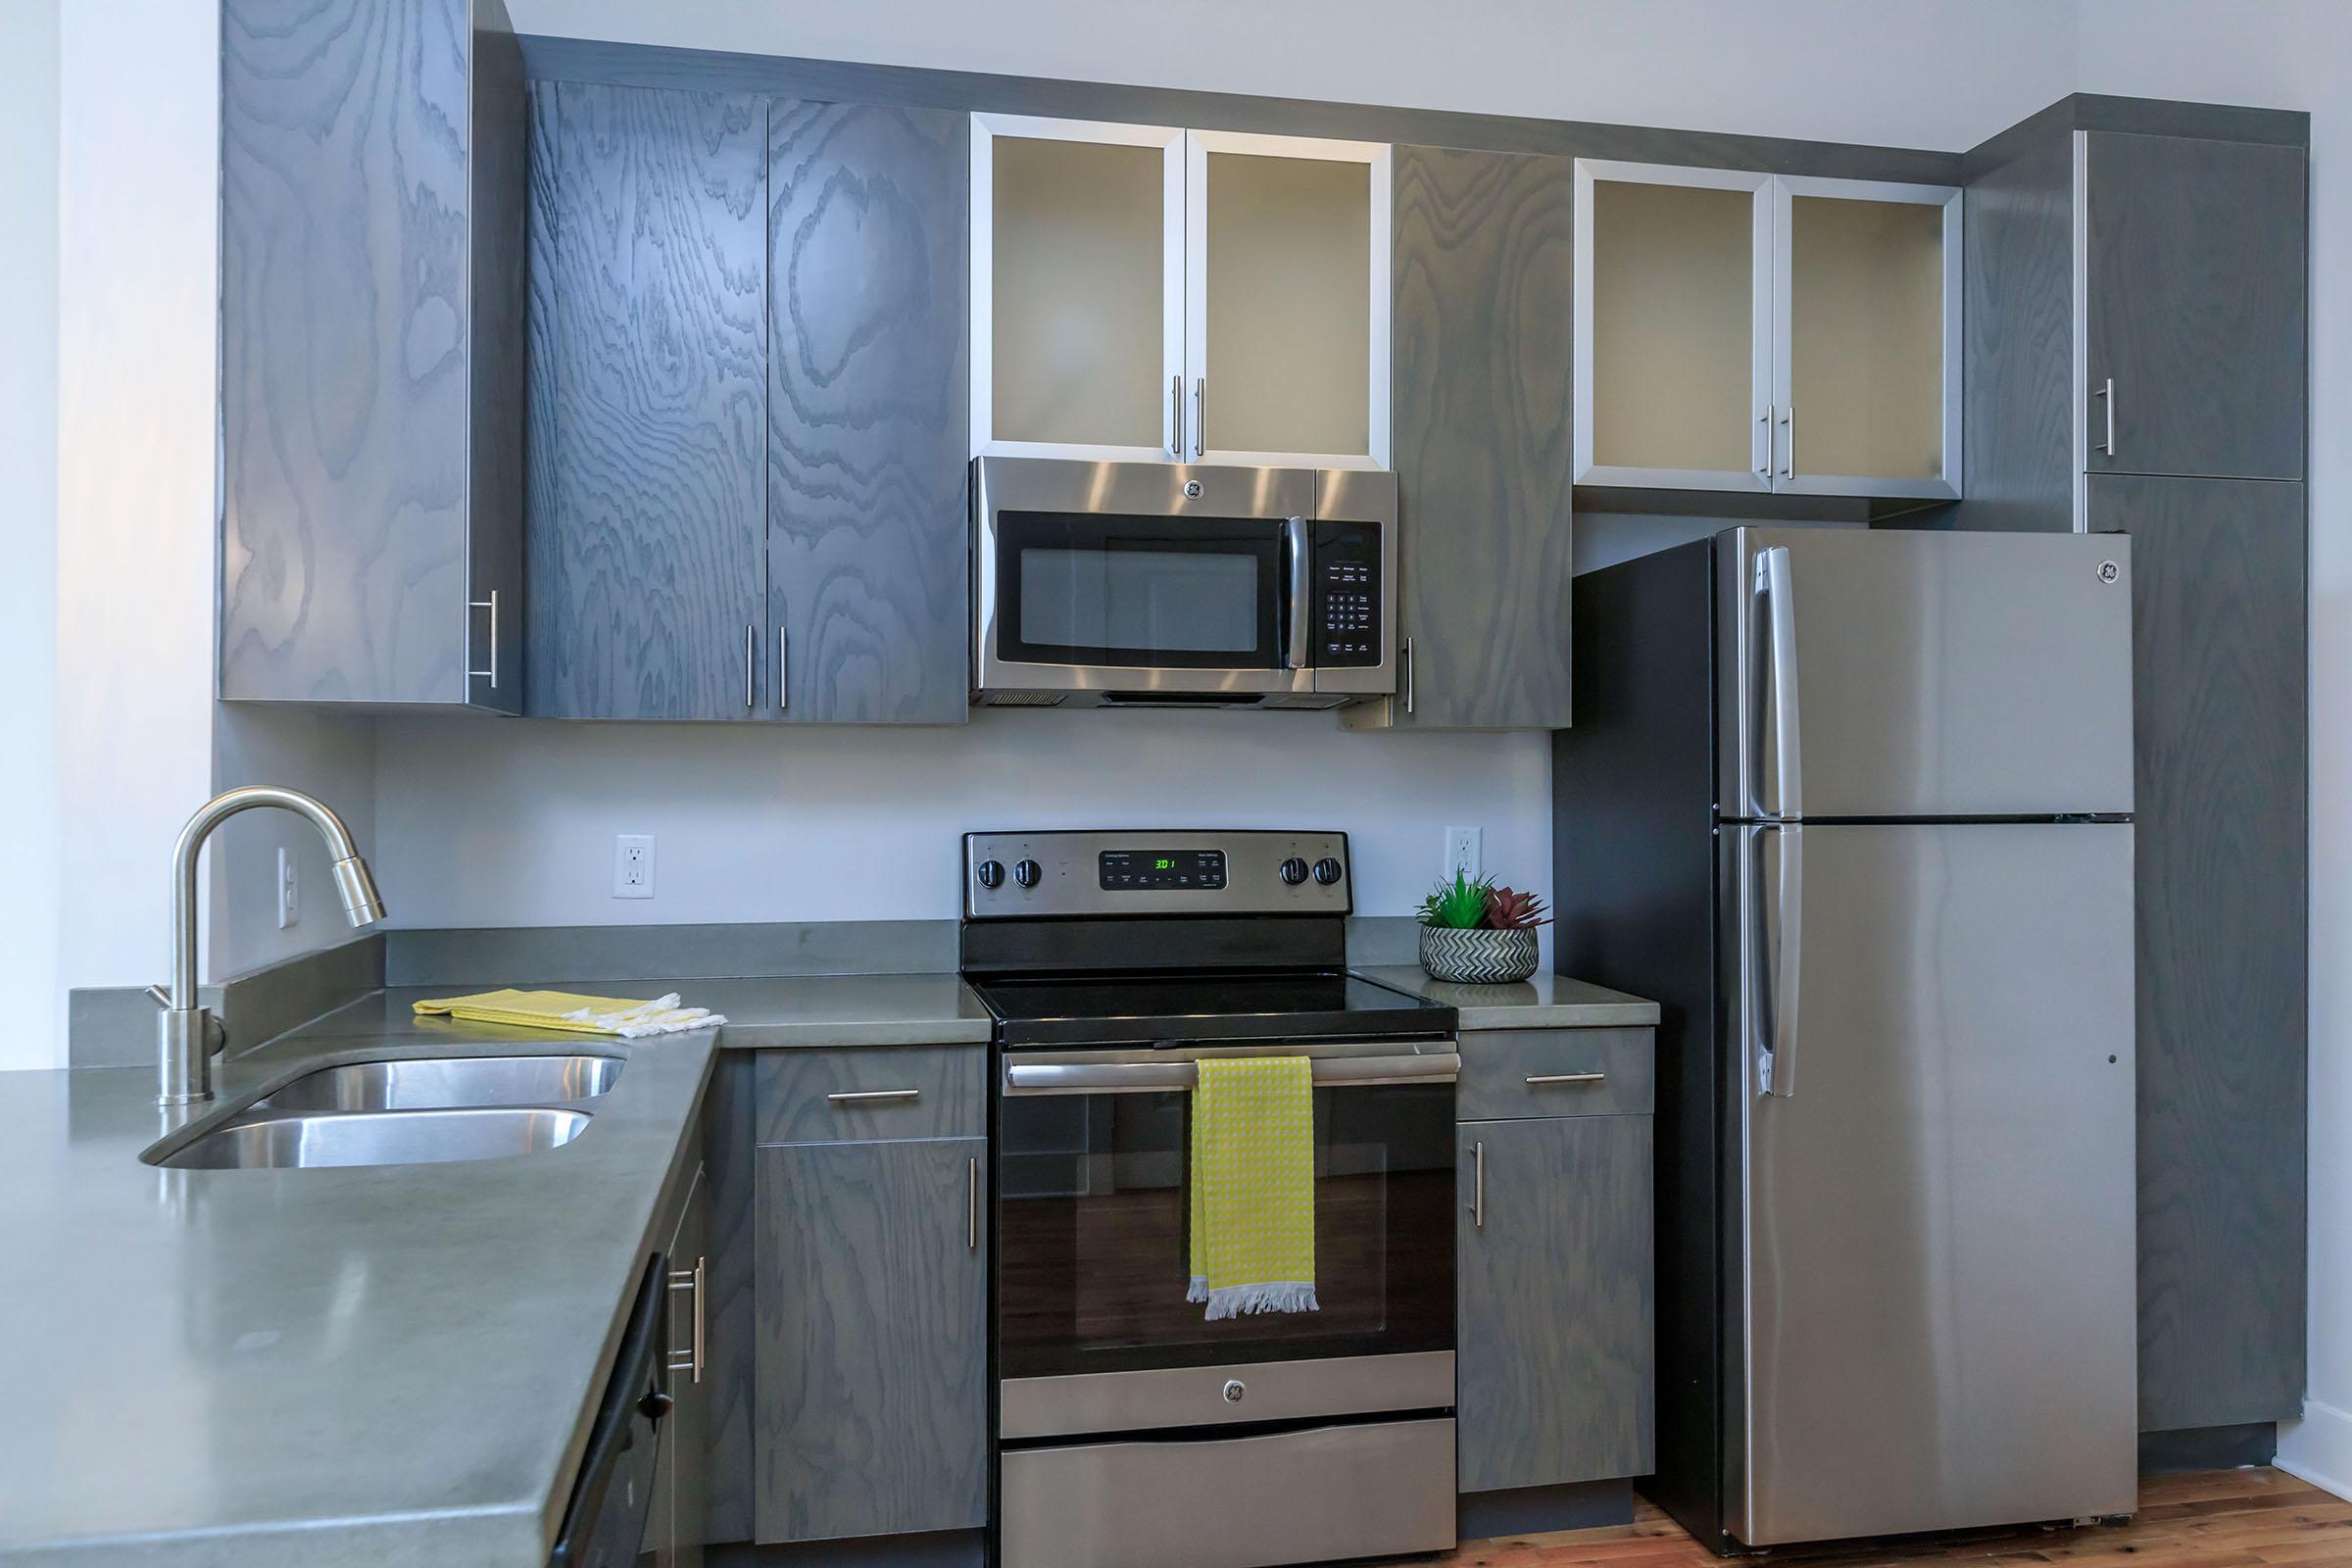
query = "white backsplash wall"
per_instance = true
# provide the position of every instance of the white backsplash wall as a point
(488, 822)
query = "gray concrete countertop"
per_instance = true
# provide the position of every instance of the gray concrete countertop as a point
(1541, 1001)
(394, 1366)
(762, 1014)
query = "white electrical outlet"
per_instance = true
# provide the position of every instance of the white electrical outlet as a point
(633, 865)
(290, 888)
(1463, 853)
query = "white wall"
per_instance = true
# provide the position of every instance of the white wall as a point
(491, 823)
(136, 149)
(2295, 54)
(29, 915)
(1907, 72)
(329, 754)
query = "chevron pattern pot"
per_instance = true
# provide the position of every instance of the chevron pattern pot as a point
(1476, 957)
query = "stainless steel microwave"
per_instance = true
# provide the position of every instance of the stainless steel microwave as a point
(1174, 585)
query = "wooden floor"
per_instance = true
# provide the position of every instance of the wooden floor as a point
(2222, 1519)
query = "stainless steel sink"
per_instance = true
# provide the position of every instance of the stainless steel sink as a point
(378, 1138)
(436, 1083)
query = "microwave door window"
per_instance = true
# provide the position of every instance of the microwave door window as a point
(1118, 591)
(1164, 601)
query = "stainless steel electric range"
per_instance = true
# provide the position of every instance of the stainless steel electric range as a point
(1132, 1432)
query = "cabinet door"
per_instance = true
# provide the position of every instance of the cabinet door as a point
(871, 1328)
(1558, 1367)
(1673, 327)
(1077, 289)
(2195, 277)
(1866, 363)
(868, 600)
(1287, 300)
(648, 539)
(2222, 816)
(1484, 271)
(689, 1442)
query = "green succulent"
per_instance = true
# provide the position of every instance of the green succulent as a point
(1460, 905)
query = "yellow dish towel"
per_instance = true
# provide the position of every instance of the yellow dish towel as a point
(625, 1016)
(1253, 1186)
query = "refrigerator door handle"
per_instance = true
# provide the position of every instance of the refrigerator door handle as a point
(1776, 1071)
(1775, 585)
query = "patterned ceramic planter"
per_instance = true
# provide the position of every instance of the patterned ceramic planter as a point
(1476, 957)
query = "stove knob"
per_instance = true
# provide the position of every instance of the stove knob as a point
(1294, 870)
(992, 873)
(1026, 873)
(1326, 870)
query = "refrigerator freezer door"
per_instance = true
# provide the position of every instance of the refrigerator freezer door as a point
(1941, 674)
(1932, 1299)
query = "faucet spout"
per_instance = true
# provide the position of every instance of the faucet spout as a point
(184, 1049)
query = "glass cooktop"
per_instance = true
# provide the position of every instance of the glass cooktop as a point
(1105, 1009)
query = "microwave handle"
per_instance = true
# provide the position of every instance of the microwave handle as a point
(1300, 545)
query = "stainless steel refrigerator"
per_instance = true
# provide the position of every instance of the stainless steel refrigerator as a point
(1854, 806)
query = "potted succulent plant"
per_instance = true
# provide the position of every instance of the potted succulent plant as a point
(1476, 933)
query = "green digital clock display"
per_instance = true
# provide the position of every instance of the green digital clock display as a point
(1163, 871)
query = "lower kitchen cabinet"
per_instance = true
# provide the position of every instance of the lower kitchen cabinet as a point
(678, 1526)
(1556, 1364)
(870, 1342)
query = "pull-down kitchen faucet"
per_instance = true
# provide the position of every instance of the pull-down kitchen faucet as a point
(183, 1032)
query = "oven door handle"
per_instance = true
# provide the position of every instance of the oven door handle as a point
(1299, 545)
(1151, 1078)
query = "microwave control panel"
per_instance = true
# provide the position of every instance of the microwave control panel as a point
(1346, 610)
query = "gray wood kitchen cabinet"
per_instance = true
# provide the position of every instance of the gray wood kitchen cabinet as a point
(2222, 817)
(2194, 311)
(1556, 1366)
(870, 1414)
(1483, 277)
(2169, 241)
(372, 345)
(681, 1526)
(649, 326)
(868, 414)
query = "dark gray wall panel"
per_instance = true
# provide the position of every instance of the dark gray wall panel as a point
(1483, 275)
(2017, 334)
(869, 412)
(2223, 825)
(345, 333)
(647, 570)
(915, 87)
(2196, 260)
(1558, 1367)
(730, 1315)
(872, 1316)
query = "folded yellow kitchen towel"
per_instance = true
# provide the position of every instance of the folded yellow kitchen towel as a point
(625, 1016)
(1253, 1186)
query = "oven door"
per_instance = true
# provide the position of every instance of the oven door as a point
(1108, 579)
(1094, 1333)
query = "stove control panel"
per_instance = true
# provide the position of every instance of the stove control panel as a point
(1228, 872)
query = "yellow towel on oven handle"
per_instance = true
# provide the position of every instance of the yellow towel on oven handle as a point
(625, 1016)
(1253, 1181)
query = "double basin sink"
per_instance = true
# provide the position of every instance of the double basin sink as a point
(422, 1110)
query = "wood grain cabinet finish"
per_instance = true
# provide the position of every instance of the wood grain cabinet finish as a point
(648, 320)
(871, 1409)
(2194, 269)
(371, 389)
(678, 1522)
(1557, 1361)
(828, 1096)
(868, 414)
(1483, 275)
(2222, 822)
(1511, 1073)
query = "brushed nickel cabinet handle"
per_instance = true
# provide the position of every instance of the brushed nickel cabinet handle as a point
(867, 1096)
(491, 674)
(1478, 1186)
(690, 1279)
(2106, 394)
(1543, 1078)
(750, 656)
(1176, 416)
(1412, 668)
(783, 669)
(1201, 417)
(971, 1205)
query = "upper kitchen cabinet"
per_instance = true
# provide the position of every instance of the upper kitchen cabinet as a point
(372, 353)
(1145, 293)
(1767, 333)
(2215, 391)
